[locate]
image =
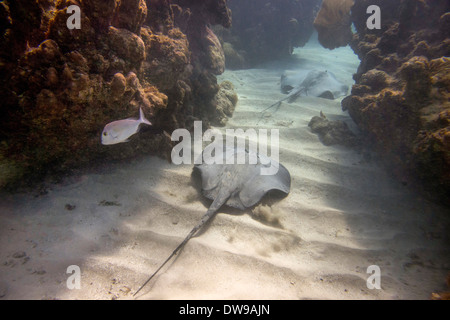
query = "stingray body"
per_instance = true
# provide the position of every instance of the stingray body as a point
(312, 83)
(241, 185)
(315, 83)
(290, 80)
(236, 185)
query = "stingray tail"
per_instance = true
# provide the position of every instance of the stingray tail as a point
(217, 203)
(277, 104)
(294, 95)
(290, 98)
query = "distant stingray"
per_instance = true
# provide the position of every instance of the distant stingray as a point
(315, 83)
(236, 185)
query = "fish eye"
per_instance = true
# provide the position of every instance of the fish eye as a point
(105, 133)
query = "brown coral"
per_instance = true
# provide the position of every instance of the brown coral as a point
(401, 96)
(168, 57)
(128, 46)
(214, 56)
(333, 132)
(61, 85)
(333, 23)
(224, 104)
(131, 15)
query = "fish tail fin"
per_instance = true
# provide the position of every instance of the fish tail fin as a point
(142, 117)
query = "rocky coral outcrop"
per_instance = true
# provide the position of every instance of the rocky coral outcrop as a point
(265, 30)
(224, 104)
(333, 132)
(60, 86)
(333, 23)
(401, 96)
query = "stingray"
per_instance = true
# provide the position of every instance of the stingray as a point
(236, 185)
(315, 83)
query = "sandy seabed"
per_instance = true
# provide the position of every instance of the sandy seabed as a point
(343, 214)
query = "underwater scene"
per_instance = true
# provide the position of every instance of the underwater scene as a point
(238, 150)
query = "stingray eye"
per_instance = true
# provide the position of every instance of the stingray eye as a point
(105, 134)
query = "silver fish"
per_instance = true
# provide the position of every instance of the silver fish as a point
(119, 131)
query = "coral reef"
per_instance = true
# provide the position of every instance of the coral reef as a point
(333, 132)
(333, 23)
(233, 58)
(265, 30)
(401, 96)
(224, 104)
(60, 86)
